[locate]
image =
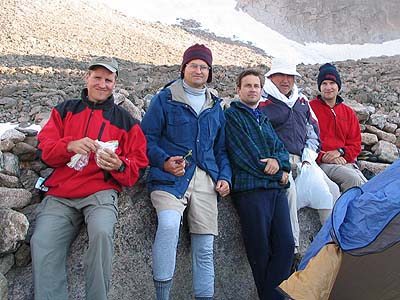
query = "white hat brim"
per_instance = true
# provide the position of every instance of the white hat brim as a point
(282, 71)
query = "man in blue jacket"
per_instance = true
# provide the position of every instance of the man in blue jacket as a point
(189, 169)
(260, 165)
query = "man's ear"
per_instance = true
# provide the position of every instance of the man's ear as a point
(86, 77)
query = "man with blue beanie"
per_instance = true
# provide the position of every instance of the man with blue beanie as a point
(340, 132)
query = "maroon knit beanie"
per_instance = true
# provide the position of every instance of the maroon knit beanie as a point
(197, 51)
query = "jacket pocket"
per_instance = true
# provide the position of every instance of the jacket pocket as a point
(179, 129)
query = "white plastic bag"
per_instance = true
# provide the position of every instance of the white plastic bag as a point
(112, 145)
(311, 188)
(79, 161)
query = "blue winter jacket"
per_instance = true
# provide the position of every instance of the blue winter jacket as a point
(296, 126)
(173, 128)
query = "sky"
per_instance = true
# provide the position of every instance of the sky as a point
(221, 18)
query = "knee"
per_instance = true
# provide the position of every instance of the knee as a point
(41, 239)
(168, 221)
(203, 246)
(101, 235)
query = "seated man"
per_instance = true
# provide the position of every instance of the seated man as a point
(84, 190)
(295, 123)
(189, 170)
(340, 131)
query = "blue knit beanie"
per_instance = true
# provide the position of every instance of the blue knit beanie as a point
(329, 72)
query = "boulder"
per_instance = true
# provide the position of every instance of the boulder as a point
(14, 198)
(3, 288)
(386, 151)
(13, 226)
(368, 139)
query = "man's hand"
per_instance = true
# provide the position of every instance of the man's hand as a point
(285, 178)
(340, 161)
(175, 165)
(83, 146)
(330, 157)
(108, 160)
(222, 187)
(271, 166)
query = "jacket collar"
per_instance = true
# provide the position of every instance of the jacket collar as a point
(105, 105)
(241, 106)
(178, 94)
(338, 100)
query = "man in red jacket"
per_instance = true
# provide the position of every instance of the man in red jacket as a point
(85, 183)
(339, 131)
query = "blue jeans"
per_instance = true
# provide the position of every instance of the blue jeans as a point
(164, 254)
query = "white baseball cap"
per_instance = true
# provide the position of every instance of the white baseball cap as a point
(282, 66)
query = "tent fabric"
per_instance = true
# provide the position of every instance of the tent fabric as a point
(365, 228)
(317, 282)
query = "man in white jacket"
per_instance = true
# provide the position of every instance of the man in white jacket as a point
(297, 127)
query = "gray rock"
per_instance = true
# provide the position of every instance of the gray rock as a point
(385, 136)
(8, 181)
(31, 140)
(371, 129)
(358, 25)
(134, 235)
(8, 102)
(124, 102)
(378, 120)
(23, 255)
(35, 165)
(28, 179)
(374, 168)
(3, 288)
(390, 127)
(14, 227)
(6, 263)
(369, 139)
(147, 100)
(14, 198)
(14, 135)
(27, 131)
(24, 148)
(6, 145)
(10, 164)
(386, 151)
(362, 112)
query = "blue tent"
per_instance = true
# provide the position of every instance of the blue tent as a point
(356, 255)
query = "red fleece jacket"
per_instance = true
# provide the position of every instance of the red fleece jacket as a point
(75, 119)
(339, 128)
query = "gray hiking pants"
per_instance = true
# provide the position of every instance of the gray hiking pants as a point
(58, 221)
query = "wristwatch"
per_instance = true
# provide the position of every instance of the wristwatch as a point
(341, 151)
(121, 168)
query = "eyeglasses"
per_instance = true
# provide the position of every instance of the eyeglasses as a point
(195, 66)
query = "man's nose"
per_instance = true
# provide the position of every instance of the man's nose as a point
(102, 83)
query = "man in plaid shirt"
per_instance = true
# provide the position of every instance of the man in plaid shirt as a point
(260, 167)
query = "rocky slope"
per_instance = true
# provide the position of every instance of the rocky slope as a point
(333, 22)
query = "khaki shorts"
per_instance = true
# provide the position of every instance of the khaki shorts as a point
(200, 199)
